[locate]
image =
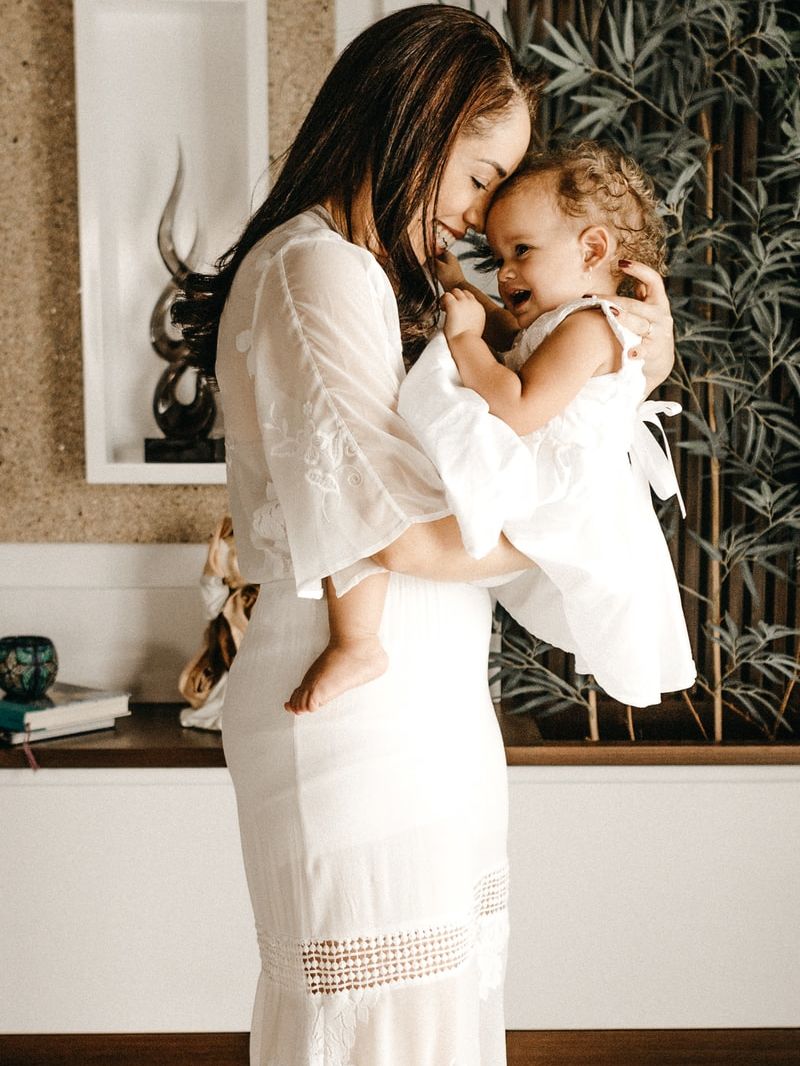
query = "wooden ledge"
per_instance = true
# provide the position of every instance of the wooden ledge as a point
(638, 753)
(153, 737)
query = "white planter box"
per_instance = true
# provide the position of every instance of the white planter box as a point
(654, 897)
(642, 897)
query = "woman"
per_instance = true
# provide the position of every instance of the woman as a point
(374, 830)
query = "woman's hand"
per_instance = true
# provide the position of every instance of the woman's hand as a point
(650, 317)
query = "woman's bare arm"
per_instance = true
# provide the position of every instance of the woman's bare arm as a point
(435, 550)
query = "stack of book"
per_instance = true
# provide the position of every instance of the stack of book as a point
(65, 709)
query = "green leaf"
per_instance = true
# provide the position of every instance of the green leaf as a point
(569, 79)
(557, 60)
(568, 50)
(615, 47)
(679, 188)
(627, 34)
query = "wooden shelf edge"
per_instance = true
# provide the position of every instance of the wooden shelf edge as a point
(637, 753)
(153, 737)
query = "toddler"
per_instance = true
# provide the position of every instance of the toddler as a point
(550, 446)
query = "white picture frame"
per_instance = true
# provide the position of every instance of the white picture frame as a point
(148, 73)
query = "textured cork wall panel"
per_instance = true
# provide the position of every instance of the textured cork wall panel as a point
(43, 493)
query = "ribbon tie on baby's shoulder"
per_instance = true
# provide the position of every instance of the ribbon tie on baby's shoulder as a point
(652, 465)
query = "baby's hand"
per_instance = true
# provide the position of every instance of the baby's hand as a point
(448, 271)
(464, 314)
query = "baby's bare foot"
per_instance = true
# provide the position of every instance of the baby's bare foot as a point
(341, 666)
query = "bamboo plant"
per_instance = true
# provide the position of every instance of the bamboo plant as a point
(705, 94)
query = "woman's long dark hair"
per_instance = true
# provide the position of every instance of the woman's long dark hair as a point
(389, 111)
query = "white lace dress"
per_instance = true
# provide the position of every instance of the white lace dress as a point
(374, 830)
(575, 497)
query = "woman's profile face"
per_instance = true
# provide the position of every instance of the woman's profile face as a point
(476, 166)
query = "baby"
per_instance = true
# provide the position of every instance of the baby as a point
(550, 448)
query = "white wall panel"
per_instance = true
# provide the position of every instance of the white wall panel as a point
(124, 903)
(654, 897)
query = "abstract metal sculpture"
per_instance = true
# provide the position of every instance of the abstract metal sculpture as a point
(186, 426)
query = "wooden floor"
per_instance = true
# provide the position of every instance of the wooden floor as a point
(611, 1047)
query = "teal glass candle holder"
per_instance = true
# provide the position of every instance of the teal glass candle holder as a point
(28, 666)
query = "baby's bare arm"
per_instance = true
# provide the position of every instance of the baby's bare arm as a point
(501, 326)
(580, 347)
(562, 364)
(479, 370)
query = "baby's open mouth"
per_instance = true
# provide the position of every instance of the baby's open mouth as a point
(518, 297)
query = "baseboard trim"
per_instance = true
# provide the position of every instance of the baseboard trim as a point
(654, 1047)
(125, 1049)
(573, 1047)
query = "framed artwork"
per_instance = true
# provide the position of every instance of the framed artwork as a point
(155, 78)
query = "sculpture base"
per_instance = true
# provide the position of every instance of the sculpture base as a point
(206, 450)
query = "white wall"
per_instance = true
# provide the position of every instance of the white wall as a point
(121, 615)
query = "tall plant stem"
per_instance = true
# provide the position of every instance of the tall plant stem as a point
(594, 730)
(716, 488)
(786, 695)
(693, 709)
(629, 719)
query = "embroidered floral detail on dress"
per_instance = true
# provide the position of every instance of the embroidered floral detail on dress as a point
(325, 453)
(268, 521)
(336, 1024)
(268, 528)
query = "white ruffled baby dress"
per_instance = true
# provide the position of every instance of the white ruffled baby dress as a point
(574, 496)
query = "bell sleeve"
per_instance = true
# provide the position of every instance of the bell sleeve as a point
(325, 360)
(488, 473)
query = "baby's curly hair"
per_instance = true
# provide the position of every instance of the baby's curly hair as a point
(598, 182)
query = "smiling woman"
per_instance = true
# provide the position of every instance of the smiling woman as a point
(470, 179)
